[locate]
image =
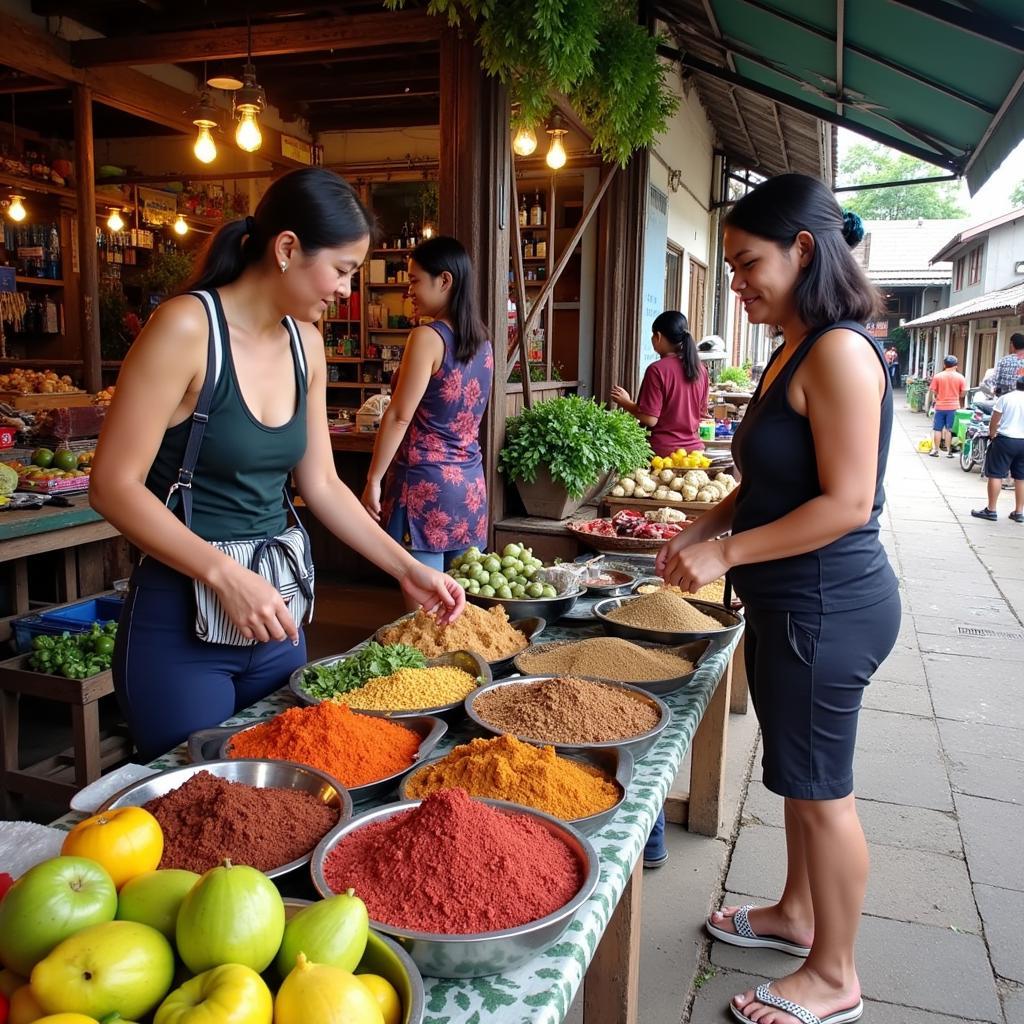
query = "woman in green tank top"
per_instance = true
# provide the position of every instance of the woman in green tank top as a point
(264, 280)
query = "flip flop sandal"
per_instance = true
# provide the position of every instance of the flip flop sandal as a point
(746, 936)
(764, 994)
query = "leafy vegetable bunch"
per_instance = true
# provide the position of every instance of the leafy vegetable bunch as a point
(331, 680)
(74, 655)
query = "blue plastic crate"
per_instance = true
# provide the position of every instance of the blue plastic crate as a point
(75, 618)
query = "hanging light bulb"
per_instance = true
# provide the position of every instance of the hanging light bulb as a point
(556, 151)
(180, 226)
(205, 119)
(205, 148)
(525, 141)
(249, 102)
(428, 231)
(16, 210)
(114, 221)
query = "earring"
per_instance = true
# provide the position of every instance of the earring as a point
(284, 266)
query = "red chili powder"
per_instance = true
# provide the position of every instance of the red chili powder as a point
(455, 866)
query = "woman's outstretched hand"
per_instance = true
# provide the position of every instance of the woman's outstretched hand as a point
(620, 395)
(435, 592)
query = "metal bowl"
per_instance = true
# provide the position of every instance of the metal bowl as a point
(551, 609)
(696, 653)
(636, 745)
(720, 638)
(429, 728)
(530, 627)
(262, 774)
(616, 764)
(623, 585)
(468, 661)
(474, 956)
(385, 958)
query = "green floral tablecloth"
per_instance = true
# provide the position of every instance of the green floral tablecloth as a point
(542, 991)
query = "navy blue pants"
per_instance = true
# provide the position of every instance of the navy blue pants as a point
(807, 674)
(168, 683)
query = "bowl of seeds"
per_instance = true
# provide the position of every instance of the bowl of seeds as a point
(666, 617)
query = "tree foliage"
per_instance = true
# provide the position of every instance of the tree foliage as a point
(866, 162)
(593, 51)
(1017, 195)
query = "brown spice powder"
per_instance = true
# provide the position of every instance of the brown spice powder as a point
(666, 611)
(567, 711)
(209, 818)
(488, 633)
(604, 657)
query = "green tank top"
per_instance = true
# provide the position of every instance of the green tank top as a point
(243, 465)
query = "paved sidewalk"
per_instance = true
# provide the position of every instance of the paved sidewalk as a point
(940, 773)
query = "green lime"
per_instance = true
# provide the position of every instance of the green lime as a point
(65, 460)
(42, 457)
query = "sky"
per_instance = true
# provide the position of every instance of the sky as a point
(992, 199)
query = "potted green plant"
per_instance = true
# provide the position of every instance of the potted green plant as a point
(561, 452)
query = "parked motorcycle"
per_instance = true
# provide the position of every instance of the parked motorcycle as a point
(976, 440)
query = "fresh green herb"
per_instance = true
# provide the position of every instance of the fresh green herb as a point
(577, 439)
(737, 374)
(74, 655)
(326, 681)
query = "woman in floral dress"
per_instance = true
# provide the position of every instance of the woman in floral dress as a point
(426, 482)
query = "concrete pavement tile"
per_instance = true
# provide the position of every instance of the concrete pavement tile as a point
(959, 645)
(975, 690)
(902, 698)
(913, 965)
(903, 778)
(881, 733)
(991, 610)
(1013, 1006)
(1002, 911)
(905, 885)
(970, 738)
(902, 667)
(997, 778)
(954, 586)
(992, 831)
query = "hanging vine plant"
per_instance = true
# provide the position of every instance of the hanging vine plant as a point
(592, 51)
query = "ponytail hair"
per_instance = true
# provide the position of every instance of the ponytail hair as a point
(440, 254)
(319, 206)
(675, 329)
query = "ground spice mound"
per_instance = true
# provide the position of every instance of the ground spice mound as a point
(209, 818)
(713, 592)
(410, 689)
(353, 748)
(487, 632)
(457, 867)
(567, 711)
(606, 657)
(666, 611)
(504, 768)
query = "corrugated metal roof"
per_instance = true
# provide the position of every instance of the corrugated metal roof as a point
(1007, 302)
(968, 233)
(898, 248)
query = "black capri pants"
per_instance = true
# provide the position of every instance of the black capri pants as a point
(807, 672)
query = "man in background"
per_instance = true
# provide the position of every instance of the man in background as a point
(1010, 368)
(949, 388)
(1005, 456)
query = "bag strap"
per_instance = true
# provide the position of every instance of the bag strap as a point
(201, 415)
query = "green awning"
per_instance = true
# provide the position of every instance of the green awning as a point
(927, 77)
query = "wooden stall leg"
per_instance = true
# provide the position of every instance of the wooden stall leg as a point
(21, 598)
(612, 985)
(69, 575)
(707, 762)
(8, 748)
(739, 694)
(85, 729)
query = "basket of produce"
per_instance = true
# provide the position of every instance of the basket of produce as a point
(571, 714)
(368, 754)
(267, 814)
(629, 531)
(585, 789)
(665, 617)
(518, 582)
(686, 489)
(489, 633)
(647, 666)
(425, 870)
(35, 389)
(74, 655)
(394, 680)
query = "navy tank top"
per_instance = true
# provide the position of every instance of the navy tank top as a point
(774, 452)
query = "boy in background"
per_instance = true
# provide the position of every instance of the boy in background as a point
(949, 388)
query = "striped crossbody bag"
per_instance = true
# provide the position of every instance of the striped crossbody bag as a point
(286, 560)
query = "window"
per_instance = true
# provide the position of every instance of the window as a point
(958, 274)
(698, 295)
(974, 266)
(673, 276)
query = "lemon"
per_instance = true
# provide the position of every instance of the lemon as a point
(384, 993)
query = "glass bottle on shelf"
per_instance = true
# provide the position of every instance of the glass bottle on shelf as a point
(404, 237)
(541, 249)
(524, 215)
(528, 250)
(414, 235)
(536, 211)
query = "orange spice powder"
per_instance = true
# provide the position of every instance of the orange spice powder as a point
(355, 749)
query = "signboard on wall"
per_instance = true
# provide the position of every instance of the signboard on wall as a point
(296, 149)
(655, 249)
(157, 207)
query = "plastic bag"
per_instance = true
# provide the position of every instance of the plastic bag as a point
(925, 445)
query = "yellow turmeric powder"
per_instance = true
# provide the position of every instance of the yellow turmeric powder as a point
(410, 689)
(505, 768)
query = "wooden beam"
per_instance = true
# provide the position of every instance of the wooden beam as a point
(518, 276)
(89, 293)
(38, 53)
(352, 32)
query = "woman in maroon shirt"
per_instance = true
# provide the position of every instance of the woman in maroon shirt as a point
(673, 397)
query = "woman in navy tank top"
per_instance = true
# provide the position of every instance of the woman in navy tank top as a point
(803, 553)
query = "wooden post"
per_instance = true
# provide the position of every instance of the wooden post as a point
(611, 987)
(474, 176)
(520, 286)
(707, 762)
(740, 692)
(85, 173)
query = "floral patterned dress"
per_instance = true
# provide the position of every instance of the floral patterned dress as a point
(437, 475)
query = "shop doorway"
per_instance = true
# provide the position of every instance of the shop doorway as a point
(698, 297)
